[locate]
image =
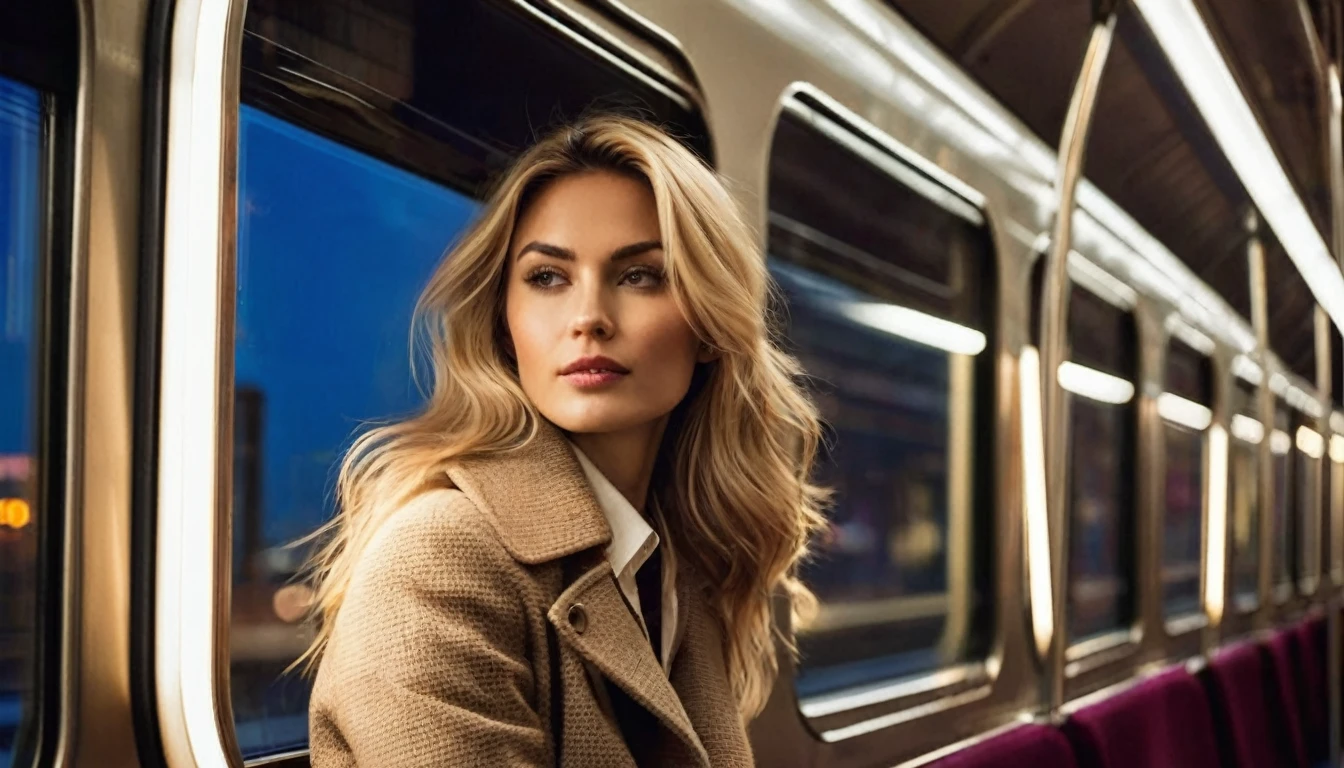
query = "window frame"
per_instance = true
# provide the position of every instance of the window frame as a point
(967, 685)
(1093, 656)
(188, 384)
(56, 72)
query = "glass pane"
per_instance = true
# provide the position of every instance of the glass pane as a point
(1182, 537)
(1304, 514)
(1099, 574)
(1280, 446)
(333, 249)
(20, 244)
(1101, 368)
(849, 242)
(1245, 508)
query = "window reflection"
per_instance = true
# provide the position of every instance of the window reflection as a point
(1184, 408)
(20, 223)
(1100, 591)
(333, 248)
(1280, 446)
(1183, 507)
(1244, 495)
(884, 273)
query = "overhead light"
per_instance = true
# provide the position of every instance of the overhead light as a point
(1337, 421)
(1183, 36)
(915, 326)
(1187, 413)
(1280, 443)
(1094, 385)
(1310, 442)
(1247, 430)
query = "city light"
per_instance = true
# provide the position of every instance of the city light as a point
(15, 513)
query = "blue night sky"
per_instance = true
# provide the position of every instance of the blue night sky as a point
(20, 143)
(333, 250)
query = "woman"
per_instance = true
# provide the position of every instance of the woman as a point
(568, 557)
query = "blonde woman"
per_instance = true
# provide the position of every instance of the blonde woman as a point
(568, 557)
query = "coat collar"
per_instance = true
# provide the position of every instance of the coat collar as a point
(537, 496)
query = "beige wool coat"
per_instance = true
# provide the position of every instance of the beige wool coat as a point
(484, 626)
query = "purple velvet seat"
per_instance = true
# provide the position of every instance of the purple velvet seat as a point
(1282, 650)
(1037, 746)
(1163, 722)
(1245, 707)
(1310, 637)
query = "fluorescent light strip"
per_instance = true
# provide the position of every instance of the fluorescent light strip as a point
(1247, 430)
(1310, 442)
(1337, 449)
(1192, 336)
(1337, 421)
(1187, 413)
(1217, 549)
(1095, 385)
(1185, 39)
(916, 326)
(1280, 443)
(1033, 497)
(1278, 383)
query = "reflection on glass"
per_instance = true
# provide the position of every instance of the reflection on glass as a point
(20, 221)
(333, 248)
(1099, 592)
(1182, 540)
(880, 570)
(1280, 446)
(1304, 511)
(1245, 509)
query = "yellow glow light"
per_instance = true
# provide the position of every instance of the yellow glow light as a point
(15, 513)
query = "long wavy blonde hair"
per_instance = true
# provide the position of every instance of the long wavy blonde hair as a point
(733, 488)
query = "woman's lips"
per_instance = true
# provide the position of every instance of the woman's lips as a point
(593, 378)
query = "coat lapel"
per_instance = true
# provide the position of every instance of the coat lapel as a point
(592, 618)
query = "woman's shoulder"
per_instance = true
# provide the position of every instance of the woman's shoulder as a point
(436, 531)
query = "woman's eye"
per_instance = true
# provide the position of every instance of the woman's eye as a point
(545, 278)
(643, 277)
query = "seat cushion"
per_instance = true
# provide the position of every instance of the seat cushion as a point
(1163, 722)
(1242, 696)
(1310, 637)
(1036, 746)
(1282, 650)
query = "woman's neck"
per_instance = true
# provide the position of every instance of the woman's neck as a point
(625, 458)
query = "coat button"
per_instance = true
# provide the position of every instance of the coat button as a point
(578, 617)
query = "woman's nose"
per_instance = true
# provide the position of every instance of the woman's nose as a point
(591, 316)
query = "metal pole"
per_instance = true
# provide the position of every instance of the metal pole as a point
(1054, 329)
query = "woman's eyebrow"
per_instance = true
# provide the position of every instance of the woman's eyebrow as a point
(565, 254)
(635, 249)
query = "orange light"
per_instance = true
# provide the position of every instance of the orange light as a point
(15, 513)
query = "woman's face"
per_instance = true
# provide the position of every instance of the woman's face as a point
(600, 343)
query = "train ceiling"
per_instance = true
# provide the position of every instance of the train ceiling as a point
(1150, 150)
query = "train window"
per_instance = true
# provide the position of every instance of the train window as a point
(304, 201)
(1184, 408)
(1099, 375)
(1334, 542)
(1280, 448)
(1247, 433)
(1310, 448)
(887, 275)
(361, 157)
(21, 518)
